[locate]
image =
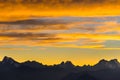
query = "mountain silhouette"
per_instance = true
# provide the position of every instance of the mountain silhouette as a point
(67, 64)
(32, 70)
(104, 64)
(8, 60)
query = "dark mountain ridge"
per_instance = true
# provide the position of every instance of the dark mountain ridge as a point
(32, 70)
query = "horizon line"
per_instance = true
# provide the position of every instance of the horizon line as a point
(59, 62)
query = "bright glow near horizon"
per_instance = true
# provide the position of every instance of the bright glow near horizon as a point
(83, 34)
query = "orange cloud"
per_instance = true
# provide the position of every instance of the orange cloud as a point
(111, 26)
(91, 36)
(94, 40)
(57, 32)
(21, 10)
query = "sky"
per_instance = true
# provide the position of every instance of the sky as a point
(50, 31)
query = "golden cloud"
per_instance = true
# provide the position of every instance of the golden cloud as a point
(59, 32)
(94, 40)
(24, 9)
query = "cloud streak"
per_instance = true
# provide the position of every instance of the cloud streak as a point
(76, 33)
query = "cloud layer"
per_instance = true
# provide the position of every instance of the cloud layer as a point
(26, 9)
(60, 1)
(75, 32)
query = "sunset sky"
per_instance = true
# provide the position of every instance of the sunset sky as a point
(50, 31)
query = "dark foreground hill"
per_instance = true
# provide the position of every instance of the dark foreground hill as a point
(32, 70)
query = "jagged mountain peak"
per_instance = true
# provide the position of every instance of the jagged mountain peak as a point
(103, 61)
(66, 63)
(8, 60)
(110, 61)
(105, 64)
(32, 62)
(114, 61)
(6, 57)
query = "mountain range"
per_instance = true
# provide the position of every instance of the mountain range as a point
(32, 70)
